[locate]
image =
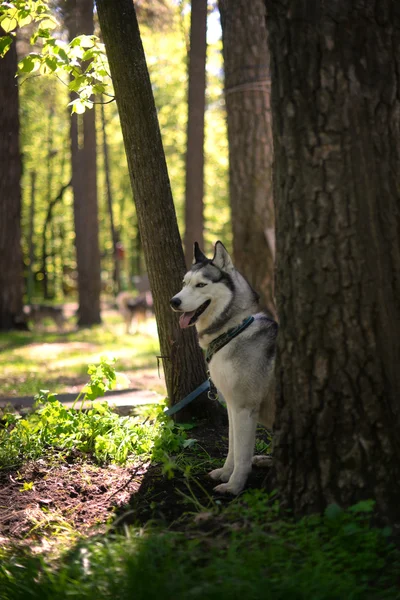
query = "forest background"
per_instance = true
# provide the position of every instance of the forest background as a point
(46, 152)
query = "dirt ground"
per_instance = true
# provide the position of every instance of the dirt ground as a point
(81, 497)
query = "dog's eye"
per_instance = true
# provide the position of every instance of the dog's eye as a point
(201, 285)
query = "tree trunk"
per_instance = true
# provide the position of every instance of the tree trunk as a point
(11, 265)
(114, 233)
(31, 244)
(194, 188)
(247, 98)
(84, 182)
(183, 360)
(45, 252)
(336, 123)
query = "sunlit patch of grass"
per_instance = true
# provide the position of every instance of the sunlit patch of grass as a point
(57, 361)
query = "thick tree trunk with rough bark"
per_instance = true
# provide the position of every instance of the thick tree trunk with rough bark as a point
(336, 115)
(247, 98)
(183, 360)
(79, 19)
(11, 274)
(194, 189)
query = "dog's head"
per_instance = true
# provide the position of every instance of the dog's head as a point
(207, 288)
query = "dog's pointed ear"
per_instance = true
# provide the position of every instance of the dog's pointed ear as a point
(198, 255)
(221, 259)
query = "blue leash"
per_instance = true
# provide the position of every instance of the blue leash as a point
(199, 390)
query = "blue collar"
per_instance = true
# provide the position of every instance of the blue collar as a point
(226, 337)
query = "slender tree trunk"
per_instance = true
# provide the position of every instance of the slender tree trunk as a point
(336, 122)
(114, 233)
(31, 280)
(183, 361)
(247, 98)
(84, 182)
(45, 252)
(11, 266)
(194, 190)
(48, 222)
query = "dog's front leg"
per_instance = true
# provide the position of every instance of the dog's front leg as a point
(224, 473)
(244, 433)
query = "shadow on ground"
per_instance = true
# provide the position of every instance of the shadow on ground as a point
(166, 497)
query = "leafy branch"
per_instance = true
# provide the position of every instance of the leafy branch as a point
(81, 64)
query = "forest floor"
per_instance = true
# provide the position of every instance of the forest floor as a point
(46, 358)
(76, 497)
(72, 525)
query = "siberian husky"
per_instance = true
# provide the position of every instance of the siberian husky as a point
(240, 348)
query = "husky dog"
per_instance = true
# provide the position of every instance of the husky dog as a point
(240, 350)
(134, 308)
(38, 312)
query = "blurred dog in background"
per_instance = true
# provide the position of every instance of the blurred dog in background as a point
(37, 313)
(135, 309)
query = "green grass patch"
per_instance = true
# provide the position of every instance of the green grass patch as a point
(249, 550)
(57, 361)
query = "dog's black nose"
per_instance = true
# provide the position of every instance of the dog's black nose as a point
(175, 302)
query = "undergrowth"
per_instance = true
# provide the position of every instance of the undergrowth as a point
(89, 427)
(248, 550)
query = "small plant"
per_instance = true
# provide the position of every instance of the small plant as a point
(96, 431)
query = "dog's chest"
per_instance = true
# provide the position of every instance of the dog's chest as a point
(222, 371)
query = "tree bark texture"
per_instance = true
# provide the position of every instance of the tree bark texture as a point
(336, 116)
(247, 98)
(11, 265)
(183, 360)
(79, 18)
(194, 188)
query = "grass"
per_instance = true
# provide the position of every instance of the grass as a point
(58, 361)
(250, 549)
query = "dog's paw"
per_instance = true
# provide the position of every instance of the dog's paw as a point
(220, 474)
(262, 461)
(228, 488)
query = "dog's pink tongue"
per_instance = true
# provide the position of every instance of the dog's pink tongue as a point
(184, 319)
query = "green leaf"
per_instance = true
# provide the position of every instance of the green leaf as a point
(5, 43)
(88, 54)
(43, 33)
(24, 20)
(63, 55)
(26, 65)
(86, 41)
(48, 23)
(333, 512)
(51, 63)
(75, 85)
(8, 23)
(365, 506)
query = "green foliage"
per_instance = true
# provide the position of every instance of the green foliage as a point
(23, 12)
(83, 60)
(97, 431)
(43, 116)
(248, 550)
